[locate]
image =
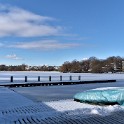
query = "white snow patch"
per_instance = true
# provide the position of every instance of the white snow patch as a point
(106, 88)
(94, 111)
(86, 109)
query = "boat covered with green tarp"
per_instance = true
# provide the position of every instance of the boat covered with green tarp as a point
(107, 96)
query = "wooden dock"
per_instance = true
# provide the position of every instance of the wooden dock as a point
(50, 83)
(34, 115)
(115, 118)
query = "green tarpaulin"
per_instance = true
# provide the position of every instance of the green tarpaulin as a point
(106, 96)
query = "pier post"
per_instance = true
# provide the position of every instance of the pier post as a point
(49, 78)
(25, 78)
(60, 78)
(11, 79)
(70, 78)
(38, 78)
(79, 77)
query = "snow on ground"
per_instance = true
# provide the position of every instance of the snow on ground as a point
(82, 108)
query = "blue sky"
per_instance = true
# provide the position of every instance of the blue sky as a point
(38, 32)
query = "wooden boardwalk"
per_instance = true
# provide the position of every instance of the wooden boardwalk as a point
(16, 109)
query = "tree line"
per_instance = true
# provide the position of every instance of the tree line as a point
(92, 65)
(24, 67)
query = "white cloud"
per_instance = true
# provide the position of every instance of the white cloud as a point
(85, 59)
(44, 45)
(13, 56)
(19, 22)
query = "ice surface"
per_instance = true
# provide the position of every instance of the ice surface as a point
(53, 93)
(33, 76)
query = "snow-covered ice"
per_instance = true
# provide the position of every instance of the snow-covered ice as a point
(33, 76)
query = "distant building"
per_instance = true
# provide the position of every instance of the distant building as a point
(122, 65)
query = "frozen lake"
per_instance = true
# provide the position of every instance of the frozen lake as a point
(62, 92)
(19, 77)
(53, 93)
